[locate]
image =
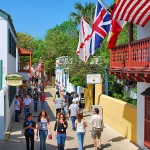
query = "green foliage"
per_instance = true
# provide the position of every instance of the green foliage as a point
(117, 91)
(61, 41)
(26, 41)
(87, 12)
(124, 35)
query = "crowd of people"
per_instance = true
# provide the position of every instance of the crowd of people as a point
(69, 106)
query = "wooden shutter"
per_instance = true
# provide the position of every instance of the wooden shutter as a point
(147, 123)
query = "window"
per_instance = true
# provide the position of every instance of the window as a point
(12, 44)
(11, 94)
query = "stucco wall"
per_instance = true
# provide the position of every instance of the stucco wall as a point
(119, 115)
(9, 67)
(141, 86)
(143, 32)
(88, 94)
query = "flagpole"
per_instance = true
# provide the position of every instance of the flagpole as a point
(106, 5)
(87, 20)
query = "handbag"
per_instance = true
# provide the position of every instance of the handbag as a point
(50, 136)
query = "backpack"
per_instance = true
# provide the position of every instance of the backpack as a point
(35, 90)
(70, 100)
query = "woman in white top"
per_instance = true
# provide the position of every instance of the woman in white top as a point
(43, 127)
(80, 125)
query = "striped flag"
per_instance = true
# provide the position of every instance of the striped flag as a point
(84, 41)
(134, 11)
(115, 29)
(100, 28)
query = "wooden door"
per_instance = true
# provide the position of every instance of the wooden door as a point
(147, 123)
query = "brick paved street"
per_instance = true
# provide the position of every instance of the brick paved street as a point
(111, 140)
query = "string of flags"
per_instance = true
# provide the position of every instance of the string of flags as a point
(90, 39)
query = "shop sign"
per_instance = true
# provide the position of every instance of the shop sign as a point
(93, 78)
(14, 80)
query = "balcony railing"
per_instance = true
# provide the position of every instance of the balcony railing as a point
(24, 67)
(132, 56)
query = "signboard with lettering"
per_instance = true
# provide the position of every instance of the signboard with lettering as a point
(93, 78)
(14, 80)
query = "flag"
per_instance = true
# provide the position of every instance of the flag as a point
(134, 11)
(84, 41)
(115, 28)
(100, 28)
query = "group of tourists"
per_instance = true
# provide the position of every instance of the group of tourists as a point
(69, 106)
(23, 99)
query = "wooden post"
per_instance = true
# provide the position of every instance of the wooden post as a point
(129, 47)
(130, 32)
(30, 62)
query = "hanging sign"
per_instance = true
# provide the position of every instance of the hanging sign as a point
(93, 78)
(14, 80)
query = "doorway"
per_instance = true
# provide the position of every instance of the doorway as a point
(147, 122)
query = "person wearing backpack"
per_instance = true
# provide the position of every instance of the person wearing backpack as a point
(35, 100)
(17, 108)
(29, 127)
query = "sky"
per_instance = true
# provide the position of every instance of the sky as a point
(35, 17)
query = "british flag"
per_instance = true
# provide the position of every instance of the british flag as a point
(100, 28)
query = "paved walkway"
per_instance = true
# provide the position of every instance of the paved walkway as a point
(111, 140)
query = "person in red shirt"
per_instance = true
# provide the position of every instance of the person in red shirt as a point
(43, 99)
(21, 103)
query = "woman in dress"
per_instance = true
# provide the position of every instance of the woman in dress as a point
(60, 131)
(44, 127)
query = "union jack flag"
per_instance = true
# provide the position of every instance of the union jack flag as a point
(100, 28)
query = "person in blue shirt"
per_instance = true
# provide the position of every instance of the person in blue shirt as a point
(29, 127)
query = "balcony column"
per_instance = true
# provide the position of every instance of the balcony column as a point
(30, 62)
(129, 45)
(130, 32)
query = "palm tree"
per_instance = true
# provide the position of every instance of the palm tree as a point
(87, 12)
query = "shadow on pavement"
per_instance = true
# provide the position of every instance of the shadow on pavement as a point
(103, 146)
(50, 113)
(68, 138)
(21, 145)
(116, 139)
(72, 149)
(48, 94)
(89, 146)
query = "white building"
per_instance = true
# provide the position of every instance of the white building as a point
(62, 75)
(8, 57)
(143, 107)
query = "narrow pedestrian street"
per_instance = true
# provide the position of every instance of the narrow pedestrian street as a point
(111, 140)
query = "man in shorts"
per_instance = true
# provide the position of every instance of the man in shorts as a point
(96, 121)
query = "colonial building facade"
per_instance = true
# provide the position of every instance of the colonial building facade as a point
(131, 61)
(8, 59)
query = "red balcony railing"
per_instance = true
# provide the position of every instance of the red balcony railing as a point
(135, 55)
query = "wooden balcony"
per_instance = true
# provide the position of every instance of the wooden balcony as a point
(131, 61)
(24, 67)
